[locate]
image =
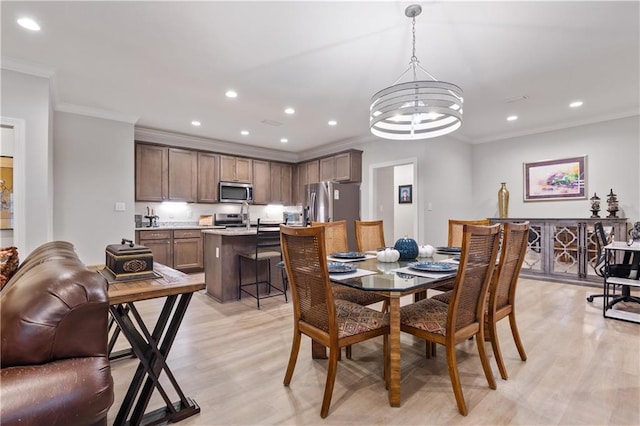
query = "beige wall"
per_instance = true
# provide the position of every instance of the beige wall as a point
(93, 169)
(613, 150)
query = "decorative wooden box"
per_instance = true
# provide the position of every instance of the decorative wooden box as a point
(128, 261)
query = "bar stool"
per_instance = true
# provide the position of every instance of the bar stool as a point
(267, 248)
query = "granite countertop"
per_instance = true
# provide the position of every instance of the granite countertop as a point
(238, 231)
(172, 227)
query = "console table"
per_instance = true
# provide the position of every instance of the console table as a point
(565, 249)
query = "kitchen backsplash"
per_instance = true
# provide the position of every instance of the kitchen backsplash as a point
(176, 214)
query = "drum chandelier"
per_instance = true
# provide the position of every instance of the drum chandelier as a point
(417, 109)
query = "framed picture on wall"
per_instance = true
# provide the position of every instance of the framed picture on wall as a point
(563, 179)
(6, 192)
(405, 194)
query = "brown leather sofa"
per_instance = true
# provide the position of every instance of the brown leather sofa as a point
(54, 367)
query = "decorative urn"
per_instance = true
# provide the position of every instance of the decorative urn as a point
(407, 247)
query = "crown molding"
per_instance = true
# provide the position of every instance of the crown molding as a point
(24, 67)
(95, 112)
(145, 134)
(568, 125)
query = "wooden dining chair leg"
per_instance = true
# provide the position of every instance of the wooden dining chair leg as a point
(484, 359)
(455, 379)
(348, 351)
(497, 353)
(516, 336)
(293, 358)
(331, 379)
(386, 360)
(430, 349)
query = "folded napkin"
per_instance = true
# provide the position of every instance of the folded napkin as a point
(336, 259)
(424, 274)
(355, 274)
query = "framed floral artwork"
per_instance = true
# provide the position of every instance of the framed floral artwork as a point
(563, 179)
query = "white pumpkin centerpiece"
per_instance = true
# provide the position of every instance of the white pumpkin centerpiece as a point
(388, 255)
(425, 251)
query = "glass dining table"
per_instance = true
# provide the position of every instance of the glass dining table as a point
(394, 284)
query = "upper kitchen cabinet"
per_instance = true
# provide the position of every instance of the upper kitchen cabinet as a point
(236, 169)
(208, 177)
(281, 183)
(308, 172)
(152, 172)
(183, 175)
(164, 173)
(344, 167)
(261, 182)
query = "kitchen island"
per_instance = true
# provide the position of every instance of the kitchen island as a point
(221, 249)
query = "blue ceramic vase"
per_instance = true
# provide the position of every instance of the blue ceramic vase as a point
(407, 247)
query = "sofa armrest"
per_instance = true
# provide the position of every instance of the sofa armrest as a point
(77, 391)
(57, 310)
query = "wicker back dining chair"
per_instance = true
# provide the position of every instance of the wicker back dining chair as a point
(335, 235)
(502, 291)
(316, 313)
(335, 240)
(455, 230)
(369, 235)
(453, 323)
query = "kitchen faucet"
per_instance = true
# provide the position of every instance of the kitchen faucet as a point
(245, 216)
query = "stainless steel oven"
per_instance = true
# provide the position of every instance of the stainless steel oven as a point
(234, 192)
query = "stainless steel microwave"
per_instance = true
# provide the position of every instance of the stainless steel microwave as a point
(234, 192)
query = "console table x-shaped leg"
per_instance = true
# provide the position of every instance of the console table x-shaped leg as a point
(152, 350)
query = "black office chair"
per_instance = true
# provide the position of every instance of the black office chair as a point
(621, 270)
(267, 248)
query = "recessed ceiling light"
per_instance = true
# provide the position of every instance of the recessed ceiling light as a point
(576, 104)
(512, 118)
(332, 123)
(195, 123)
(284, 140)
(244, 132)
(231, 94)
(289, 111)
(29, 24)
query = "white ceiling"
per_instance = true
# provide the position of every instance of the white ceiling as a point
(164, 64)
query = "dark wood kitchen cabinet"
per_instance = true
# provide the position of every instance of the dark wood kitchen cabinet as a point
(177, 248)
(281, 183)
(152, 168)
(343, 167)
(236, 169)
(183, 175)
(308, 172)
(165, 174)
(159, 242)
(208, 177)
(261, 182)
(187, 249)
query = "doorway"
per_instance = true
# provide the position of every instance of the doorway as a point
(400, 219)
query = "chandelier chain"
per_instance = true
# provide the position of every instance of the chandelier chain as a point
(414, 58)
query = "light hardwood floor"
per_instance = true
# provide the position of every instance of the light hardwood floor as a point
(231, 359)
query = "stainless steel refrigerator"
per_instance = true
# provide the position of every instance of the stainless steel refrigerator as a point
(331, 201)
